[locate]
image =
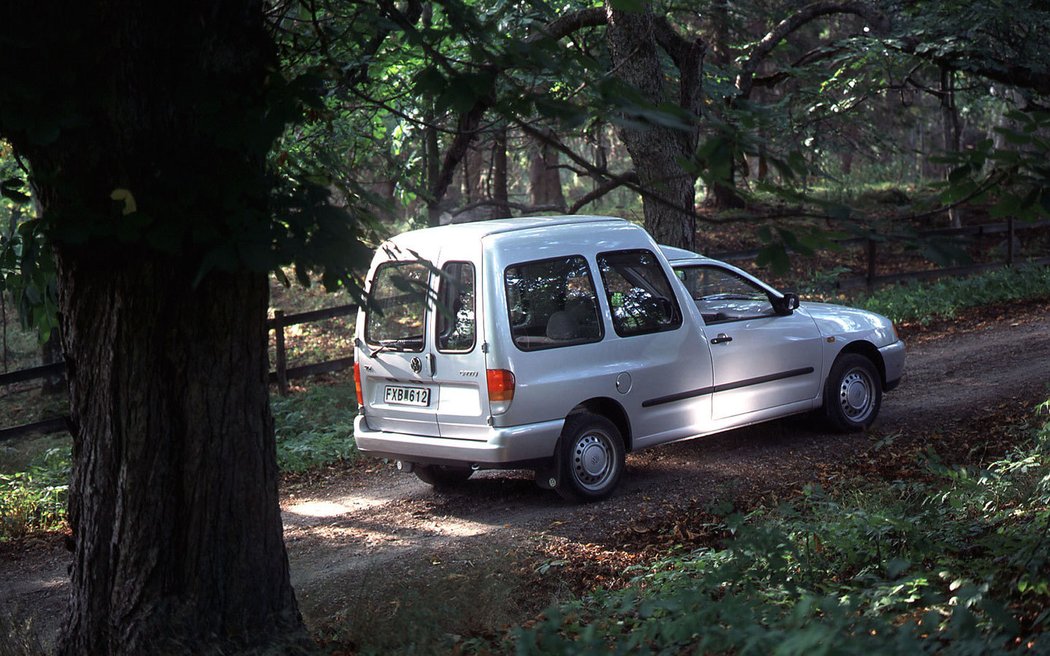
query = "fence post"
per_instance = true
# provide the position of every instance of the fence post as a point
(872, 255)
(281, 356)
(1010, 241)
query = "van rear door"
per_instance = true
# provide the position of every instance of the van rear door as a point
(459, 357)
(396, 365)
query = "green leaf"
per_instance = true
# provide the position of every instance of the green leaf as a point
(896, 566)
(125, 196)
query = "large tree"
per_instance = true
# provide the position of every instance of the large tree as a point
(145, 127)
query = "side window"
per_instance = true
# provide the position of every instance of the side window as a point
(397, 303)
(640, 296)
(722, 295)
(552, 303)
(456, 327)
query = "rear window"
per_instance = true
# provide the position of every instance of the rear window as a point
(397, 305)
(456, 325)
(552, 303)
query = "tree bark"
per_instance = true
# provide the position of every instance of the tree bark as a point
(145, 127)
(174, 509)
(950, 131)
(51, 352)
(499, 173)
(544, 175)
(657, 151)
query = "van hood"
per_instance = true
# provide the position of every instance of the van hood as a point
(839, 320)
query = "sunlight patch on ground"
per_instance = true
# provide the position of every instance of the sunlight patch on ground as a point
(330, 508)
(460, 527)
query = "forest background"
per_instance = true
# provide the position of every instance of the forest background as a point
(291, 137)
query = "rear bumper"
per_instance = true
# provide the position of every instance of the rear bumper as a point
(893, 360)
(502, 447)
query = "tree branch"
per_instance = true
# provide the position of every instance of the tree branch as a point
(614, 182)
(809, 13)
(1005, 72)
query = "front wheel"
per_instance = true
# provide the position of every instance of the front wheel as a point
(852, 394)
(442, 476)
(591, 458)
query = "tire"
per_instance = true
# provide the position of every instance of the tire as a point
(442, 476)
(852, 393)
(590, 458)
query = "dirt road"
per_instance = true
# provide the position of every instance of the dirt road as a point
(381, 560)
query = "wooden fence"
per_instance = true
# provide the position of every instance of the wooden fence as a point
(872, 278)
(280, 376)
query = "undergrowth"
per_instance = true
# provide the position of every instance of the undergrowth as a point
(959, 563)
(315, 427)
(35, 499)
(943, 299)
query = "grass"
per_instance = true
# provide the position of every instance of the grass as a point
(945, 298)
(957, 562)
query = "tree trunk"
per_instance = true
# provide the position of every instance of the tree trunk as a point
(499, 173)
(146, 127)
(474, 177)
(544, 175)
(174, 505)
(657, 151)
(51, 352)
(950, 125)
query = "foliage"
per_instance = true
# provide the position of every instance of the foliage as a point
(944, 298)
(35, 499)
(315, 427)
(1014, 172)
(958, 564)
(27, 270)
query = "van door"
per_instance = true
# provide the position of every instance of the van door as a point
(400, 394)
(762, 359)
(459, 358)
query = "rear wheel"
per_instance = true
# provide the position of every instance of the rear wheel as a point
(852, 394)
(442, 476)
(591, 458)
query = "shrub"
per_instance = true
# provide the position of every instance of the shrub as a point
(942, 299)
(315, 427)
(35, 499)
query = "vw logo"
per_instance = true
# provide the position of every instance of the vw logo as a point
(417, 365)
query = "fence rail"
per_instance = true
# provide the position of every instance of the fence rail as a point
(872, 278)
(281, 375)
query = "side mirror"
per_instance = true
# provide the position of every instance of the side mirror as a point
(787, 303)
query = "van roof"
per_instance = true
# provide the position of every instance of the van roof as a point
(480, 229)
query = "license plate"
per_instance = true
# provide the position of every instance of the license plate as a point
(399, 395)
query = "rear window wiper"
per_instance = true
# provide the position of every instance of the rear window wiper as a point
(400, 344)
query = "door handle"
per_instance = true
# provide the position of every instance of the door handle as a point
(721, 339)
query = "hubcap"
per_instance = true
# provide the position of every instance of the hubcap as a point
(857, 395)
(593, 459)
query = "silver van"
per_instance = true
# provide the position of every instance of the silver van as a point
(559, 344)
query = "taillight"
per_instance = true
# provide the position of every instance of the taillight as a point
(501, 390)
(357, 385)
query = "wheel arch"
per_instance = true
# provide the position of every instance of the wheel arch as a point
(612, 411)
(868, 350)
